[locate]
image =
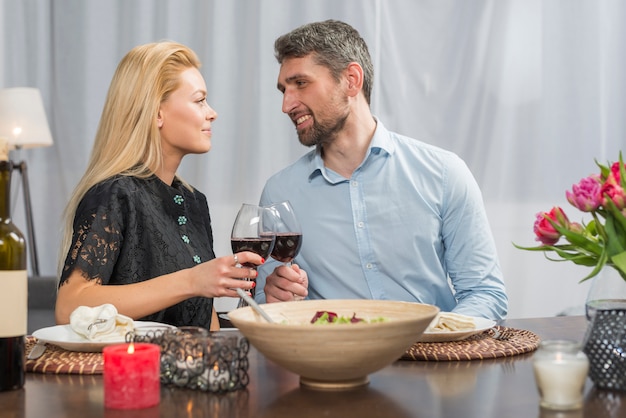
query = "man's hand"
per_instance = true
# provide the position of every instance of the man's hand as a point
(286, 283)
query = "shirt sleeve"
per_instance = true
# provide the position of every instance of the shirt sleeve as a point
(471, 257)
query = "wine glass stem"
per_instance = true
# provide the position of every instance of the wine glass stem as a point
(242, 303)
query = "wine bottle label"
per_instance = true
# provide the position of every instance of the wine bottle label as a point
(13, 303)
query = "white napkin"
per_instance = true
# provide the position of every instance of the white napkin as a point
(101, 323)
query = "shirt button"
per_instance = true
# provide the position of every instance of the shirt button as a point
(360, 224)
(354, 183)
(368, 266)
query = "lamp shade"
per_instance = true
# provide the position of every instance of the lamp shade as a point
(23, 119)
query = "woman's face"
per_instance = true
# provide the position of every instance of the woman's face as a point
(185, 117)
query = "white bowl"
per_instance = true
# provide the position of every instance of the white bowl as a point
(334, 356)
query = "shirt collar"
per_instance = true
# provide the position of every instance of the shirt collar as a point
(381, 143)
(381, 140)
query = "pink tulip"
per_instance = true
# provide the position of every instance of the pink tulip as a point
(544, 231)
(577, 228)
(612, 188)
(586, 195)
(615, 171)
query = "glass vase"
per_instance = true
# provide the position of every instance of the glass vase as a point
(607, 291)
(605, 339)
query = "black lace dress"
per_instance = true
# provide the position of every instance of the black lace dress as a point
(127, 230)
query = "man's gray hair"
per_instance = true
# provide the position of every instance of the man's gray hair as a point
(334, 44)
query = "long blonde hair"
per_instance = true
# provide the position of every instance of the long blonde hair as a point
(128, 141)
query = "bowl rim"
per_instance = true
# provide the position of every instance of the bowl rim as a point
(407, 320)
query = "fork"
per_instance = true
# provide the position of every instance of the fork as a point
(500, 333)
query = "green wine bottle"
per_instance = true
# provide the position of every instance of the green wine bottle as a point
(13, 285)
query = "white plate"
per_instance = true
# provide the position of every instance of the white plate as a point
(482, 324)
(65, 337)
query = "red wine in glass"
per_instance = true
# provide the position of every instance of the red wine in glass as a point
(286, 227)
(250, 234)
(283, 223)
(260, 246)
(286, 246)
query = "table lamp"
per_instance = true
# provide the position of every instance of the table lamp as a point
(24, 124)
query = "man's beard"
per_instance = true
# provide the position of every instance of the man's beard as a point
(322, 133)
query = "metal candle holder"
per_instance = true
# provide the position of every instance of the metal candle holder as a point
(194, 358)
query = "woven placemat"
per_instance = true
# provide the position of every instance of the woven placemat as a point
(477, 347)
(56, 360)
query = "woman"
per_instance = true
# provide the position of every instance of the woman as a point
(136, 235)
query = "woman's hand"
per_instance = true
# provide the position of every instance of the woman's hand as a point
(220, 276)
(286, 283)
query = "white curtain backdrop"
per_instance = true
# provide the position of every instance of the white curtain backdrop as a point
(528, 92)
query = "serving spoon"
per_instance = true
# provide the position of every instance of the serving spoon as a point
(254, 305)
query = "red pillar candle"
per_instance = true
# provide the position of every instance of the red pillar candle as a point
(131, 375)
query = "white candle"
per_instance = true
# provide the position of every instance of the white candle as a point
(197, 345)
(560, 369)
(216, 376)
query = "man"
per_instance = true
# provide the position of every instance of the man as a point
(383, 216)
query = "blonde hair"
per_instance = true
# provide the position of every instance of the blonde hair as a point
(128, 141)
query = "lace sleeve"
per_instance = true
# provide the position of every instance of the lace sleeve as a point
(98, 235)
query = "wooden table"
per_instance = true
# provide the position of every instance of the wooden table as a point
(480, 388)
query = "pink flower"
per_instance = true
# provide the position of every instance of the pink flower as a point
(598, 243)
(615, 171)
(577, 228)
(612, 188)
(545, 232)
(586, 195)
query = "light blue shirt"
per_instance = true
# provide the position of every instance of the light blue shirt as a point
(409, 225)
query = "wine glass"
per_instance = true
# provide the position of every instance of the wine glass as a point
(251, 233)
(286, 228)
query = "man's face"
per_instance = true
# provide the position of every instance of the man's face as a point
(313, 99)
